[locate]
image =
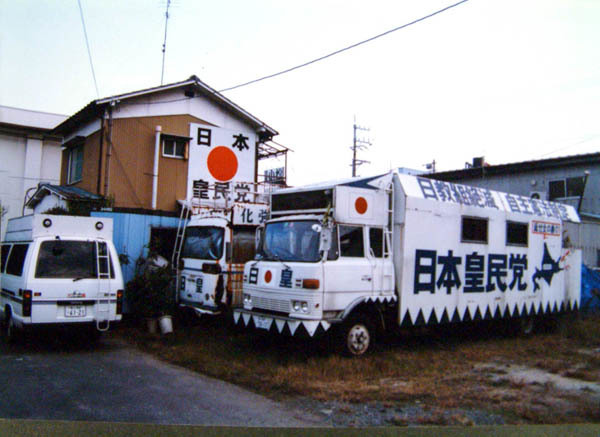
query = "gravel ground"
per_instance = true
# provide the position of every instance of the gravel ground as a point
(346, 414)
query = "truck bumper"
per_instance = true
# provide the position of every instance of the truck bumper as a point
(280, 324)
(199, 308)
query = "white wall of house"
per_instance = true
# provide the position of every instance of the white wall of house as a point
(27, 156)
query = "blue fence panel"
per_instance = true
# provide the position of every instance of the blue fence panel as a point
(131, 235)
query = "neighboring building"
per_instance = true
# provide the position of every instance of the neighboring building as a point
(573, 180)
(30, 153)
(146, 152)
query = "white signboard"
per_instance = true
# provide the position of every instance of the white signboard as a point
(221, 158)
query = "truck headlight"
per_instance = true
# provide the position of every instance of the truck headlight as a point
(247, 299)
(298, 306)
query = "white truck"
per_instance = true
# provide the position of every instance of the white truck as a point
(60, 270)
(215, 244)
(369, 254)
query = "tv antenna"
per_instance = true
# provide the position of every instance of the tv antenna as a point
(164, 46)
(358, 144)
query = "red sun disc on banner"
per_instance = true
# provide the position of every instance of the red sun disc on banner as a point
(222, 163)
(361, 205)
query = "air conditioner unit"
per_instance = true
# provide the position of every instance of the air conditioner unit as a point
(540, 195)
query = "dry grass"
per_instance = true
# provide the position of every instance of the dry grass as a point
(436, 368)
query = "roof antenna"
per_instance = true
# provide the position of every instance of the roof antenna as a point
(164, 46)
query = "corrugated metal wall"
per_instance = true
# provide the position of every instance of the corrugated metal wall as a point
(131, 235)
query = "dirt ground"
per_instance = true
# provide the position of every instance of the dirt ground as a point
(458, 375)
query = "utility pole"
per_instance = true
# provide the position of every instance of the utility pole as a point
(164, 46)
(358, 144)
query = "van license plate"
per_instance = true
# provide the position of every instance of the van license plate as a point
(75, 311)
(262, 322)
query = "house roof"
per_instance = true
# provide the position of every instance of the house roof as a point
(193, 87)
(517, 167)
(62, 191)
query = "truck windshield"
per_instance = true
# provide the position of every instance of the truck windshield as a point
(203, 242)
(291, 241)
(66, 259)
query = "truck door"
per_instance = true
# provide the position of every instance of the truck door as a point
(381, 264)
(352, 272)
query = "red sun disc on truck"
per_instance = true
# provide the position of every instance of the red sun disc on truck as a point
(268, 276)
(361, 205)
(222, 163)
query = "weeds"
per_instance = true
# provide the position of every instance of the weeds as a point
(437, 368)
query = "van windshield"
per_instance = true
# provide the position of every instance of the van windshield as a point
(66, 259)
(203, 242)
(291, 241)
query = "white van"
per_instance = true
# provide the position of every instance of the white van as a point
(60, 270)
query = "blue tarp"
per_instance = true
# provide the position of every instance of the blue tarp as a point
(590, 289)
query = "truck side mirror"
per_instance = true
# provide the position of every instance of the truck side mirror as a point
(257, 237)
(228, 254)
(325, 240)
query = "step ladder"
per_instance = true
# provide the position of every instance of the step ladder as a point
(184, 217)
(103, 295)
(388, 235)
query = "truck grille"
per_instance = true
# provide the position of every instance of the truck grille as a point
(266, 303)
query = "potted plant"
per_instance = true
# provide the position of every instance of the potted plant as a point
(152, 296)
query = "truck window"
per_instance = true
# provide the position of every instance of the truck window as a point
(203, 242)
(516, 233)
(5, 250)
(376, 241)
(66, 259)
(351, 241)
(474, 230)
(14, 265)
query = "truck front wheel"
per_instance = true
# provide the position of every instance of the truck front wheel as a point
(356, 336)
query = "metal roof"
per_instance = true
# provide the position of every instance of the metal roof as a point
(96, 107)
(517, 167)
(64, 192)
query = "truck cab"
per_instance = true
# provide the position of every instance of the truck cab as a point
(215, 245)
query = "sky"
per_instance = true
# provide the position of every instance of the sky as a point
(510, 80)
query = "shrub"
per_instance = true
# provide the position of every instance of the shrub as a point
(151, 292)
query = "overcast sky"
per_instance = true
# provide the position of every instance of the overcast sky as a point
(510, 80)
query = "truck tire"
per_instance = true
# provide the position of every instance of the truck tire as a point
(356, 336)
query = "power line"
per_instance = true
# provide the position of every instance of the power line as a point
(345, 48)
(88, 48)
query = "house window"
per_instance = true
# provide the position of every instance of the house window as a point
(174, 147)
(75, 167)
(569, 187)
(474, 230)
(516, 233)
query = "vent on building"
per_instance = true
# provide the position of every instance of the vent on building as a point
(540, 195)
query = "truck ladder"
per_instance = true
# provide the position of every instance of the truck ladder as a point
(102, 297)
(388, 235)
(183, 221)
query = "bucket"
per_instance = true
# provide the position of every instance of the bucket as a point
(166, 324)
